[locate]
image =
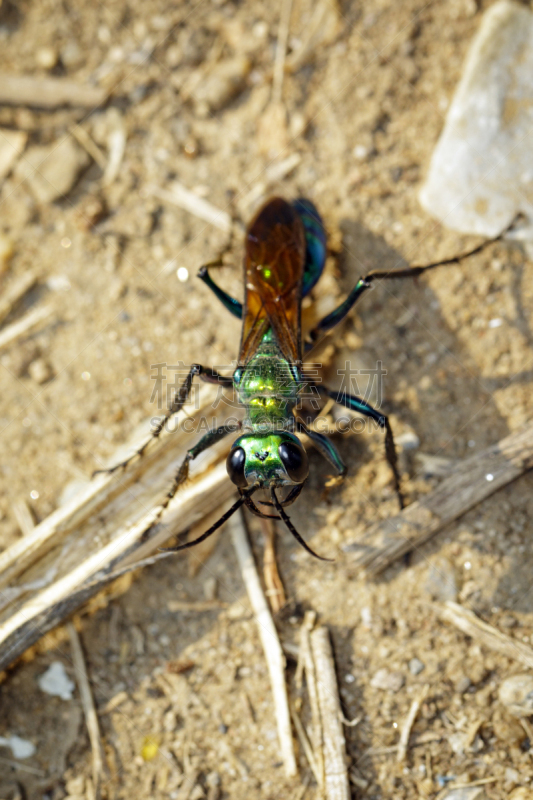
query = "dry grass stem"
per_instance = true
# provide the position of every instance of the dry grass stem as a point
(269, 638)
(22, 326)
(274, 585)
(89, 708)
(408, 724)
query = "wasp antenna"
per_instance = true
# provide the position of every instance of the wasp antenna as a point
(211, 530)
(290, 526)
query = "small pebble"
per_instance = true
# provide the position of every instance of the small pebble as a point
(463, 685)
(56, 682)
(51, 170)
(440, 582)
(408, 441)
(388, 681)
(466, 793)
(40, 371)
(512, 776)
(46, 57)
(416, 666)
(76, 785)
(516, 694)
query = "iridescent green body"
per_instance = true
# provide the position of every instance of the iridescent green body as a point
(285, 253)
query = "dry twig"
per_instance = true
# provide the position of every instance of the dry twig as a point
(15, 292)
(274, 585)
(23, 325)
(473, 480)
(336, 782)
(188, 201)
(26, 90)
(269, 638)
(485, 634)
(89, 708)
(408, 724)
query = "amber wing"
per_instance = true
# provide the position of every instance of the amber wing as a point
(273, 270)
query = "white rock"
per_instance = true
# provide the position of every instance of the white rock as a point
(466, 793)
(516, 693)
(56, 682)
(481, 172)
(21, 748)
(52, 170)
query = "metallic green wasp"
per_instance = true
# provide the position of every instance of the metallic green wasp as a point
(285, 254)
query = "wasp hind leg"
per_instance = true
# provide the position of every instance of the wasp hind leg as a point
(362, 407)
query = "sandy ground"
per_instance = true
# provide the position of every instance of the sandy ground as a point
(363, 111)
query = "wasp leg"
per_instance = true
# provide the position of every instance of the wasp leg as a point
(208, 440)
(182, 395)
(325, 448)
(233, 306)
(361, 406)
(416, 270)
(338, 314)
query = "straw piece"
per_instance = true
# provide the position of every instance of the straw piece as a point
(403, 743)
(23, 325)
(25, 90)
(23, 515)
(269, 639)
(89, 708)
(12, 144)
(188, 201)
(306, 746)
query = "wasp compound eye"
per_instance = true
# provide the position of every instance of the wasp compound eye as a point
(235, 466)
(294, 459)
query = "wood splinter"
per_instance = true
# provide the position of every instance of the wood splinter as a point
(329, 745)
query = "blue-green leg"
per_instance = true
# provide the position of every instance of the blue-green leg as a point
(340, 312)
(233, 306)
(365, 283)
(361, 406)
(324, 447)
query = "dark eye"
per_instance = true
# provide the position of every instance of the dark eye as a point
(235, 466)
(294, 459)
